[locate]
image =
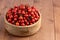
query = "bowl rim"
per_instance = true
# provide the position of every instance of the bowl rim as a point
(22, 26)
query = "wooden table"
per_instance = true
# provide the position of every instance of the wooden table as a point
(50, 28)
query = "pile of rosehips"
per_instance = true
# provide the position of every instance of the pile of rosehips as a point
(22, 15)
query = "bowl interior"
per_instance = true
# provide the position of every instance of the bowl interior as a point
(22, 26)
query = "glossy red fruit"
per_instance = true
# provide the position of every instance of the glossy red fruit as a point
(16, 8)
(19, 11)
(15, 19)
(20, 17)
(29, 14)
(9, 20)
(22, 6)
(25, 20)
(32, 13)
(36, 19)
(22, 24)
(23, 12)
(33, 10)
(13, 22)
(9, 11)
(36, 14)
(29, 9)
(26, 15)
(27, 23)
(32, 17)
(22, 21)
(15, 16)
(17, 23)
(31, 23)
(33, 20)
(11, 16)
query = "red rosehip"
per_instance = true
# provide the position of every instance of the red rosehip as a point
(15, 19)
(32, 17)
(26, 15)
(33, 10)
(17, 24)
(16, 9)
(33, 20)
(9, 11)
(11, 16)
(36, 19)
(32, 13)
(27, 23)
(9, 20)
(29, 9)
(19, 21)
(12, 22)
(25, 20)
(22, 24)
(19, 11)
(20, 17)
(23, 12)
(22, 6)
(22, 21)
(31, 23)
(8, 14)
(15, 16)
(29, 14)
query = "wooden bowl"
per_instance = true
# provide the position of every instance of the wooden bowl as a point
(22, 30)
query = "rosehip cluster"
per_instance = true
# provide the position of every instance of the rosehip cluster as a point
(22, 15)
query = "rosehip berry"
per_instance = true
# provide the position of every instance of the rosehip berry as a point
(31, 23)
(15, 19)
(23, 12)
(22, 6)
(12, 22)
(9, 20)
(16, 9)
(19, 11)
(25, 20)
(27, 23)
(33, 10)
(22, 21)
(36, 19)
(15, 16)
(32, 13)
(17, 24)
(19, 21)
(10, 16)
(20, 17)
(26, 15)
(22, 24)
(9, 11)
(33, 20)
(29, 9)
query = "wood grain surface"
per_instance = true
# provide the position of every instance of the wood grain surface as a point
(57, 22)
(47, 30)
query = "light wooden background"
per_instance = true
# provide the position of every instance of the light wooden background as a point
(50, 10)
